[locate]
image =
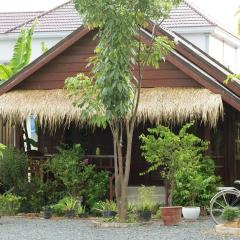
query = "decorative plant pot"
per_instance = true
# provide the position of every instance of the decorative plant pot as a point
(70, 213)
(144, 216)
(47, 213)
(83, 215)
(191, 213)
(109, 214)
(171, 215)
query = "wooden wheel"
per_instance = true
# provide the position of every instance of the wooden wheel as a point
(220, 201)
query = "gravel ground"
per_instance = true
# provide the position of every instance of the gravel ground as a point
(12, 228)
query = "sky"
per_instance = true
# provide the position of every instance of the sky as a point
(221, 10)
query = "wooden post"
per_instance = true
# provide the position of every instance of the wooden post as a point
(111, 188)
(166, 192)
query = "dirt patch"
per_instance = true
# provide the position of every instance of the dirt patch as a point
(235, 224)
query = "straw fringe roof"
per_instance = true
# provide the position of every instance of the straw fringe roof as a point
(54, 108)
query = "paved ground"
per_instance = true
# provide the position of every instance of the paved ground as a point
(40, 229)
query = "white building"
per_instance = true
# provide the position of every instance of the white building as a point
(59, 22)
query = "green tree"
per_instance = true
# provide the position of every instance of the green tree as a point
(112, 95)
(182, 162)
(21, 55)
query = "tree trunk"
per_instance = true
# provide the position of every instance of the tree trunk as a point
(122, 170)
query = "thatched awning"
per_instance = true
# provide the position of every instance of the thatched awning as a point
(53, 107)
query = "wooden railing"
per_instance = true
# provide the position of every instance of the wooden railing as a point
(102, 162)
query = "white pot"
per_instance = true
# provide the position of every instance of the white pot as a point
(191, 213)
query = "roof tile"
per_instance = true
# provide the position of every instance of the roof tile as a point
(66, 18)
(9, 20)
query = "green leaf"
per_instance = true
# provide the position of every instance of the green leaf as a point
(5, 72)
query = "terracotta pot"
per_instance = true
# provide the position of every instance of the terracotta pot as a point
(171, 215)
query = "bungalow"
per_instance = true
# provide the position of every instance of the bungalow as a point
(186, 20)
(188, 86)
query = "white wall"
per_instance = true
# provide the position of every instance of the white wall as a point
(225, 53)
(7, 44)
(201, 40)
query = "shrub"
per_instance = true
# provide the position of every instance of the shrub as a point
(78, 177)
(146, 199)
(106, 206)
(37, 194)
(66, 204)
(181, 160)
(195, 184)
(9, 204)
(13, 169)
(230, 214)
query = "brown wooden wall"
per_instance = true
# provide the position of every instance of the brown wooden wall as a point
(7, 133)
(75, 59)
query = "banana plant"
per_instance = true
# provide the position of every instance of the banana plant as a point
(21, 55)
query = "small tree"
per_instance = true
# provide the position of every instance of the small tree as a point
(112, 95)
(175, 155)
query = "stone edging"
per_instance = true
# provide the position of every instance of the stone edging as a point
(101, 224)
(227, 230)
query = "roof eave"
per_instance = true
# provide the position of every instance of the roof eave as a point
(55, 34)
(193, 30)
(228, 37)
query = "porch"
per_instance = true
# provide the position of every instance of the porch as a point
(60, 123)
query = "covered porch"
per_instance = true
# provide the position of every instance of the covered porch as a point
(59, 122)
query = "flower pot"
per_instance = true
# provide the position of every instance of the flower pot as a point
(109, 214)
(83, 215)
(70, 213)
(171, 215)
(144, 216)
(191, 213)
(47, 213)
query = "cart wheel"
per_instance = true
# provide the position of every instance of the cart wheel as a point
(220, 201)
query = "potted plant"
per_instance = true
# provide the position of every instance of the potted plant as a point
(180, 157)
(232, 217)
(107, 208)
(231, 221)
(189, 175)
(47, 212)
(81, 211)
(70, 207)
(146, 203)
(144, 211)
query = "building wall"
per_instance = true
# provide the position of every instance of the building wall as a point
(215, 47)
(225, 53)
(201, 40)
(7, 46)
(74, 60)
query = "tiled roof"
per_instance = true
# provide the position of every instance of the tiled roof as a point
(186, 15)
(62, 18)
(66, 18)
(9, 20)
